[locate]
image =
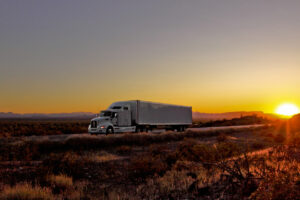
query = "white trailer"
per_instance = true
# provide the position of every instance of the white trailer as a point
(139, 116)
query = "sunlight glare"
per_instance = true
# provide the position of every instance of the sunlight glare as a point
(287, 109)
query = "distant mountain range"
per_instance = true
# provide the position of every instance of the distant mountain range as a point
(88, 115)
(229, 115)
(74, 115)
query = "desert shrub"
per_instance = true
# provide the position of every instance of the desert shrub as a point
(228, 149)
(157, 149)
(124, 149)
(198, 153)
(184, 165)
(25, 191)
(280, 186)
(64, 187)
(294, 140)
(99, 157)
(19, 151)
(154, 162)
(222, 137)
(270, 175)
(207, 153)
(177, 183)
(279, 173)
(257, 145)
(60, 182)
(145, 166)
(268, 134)
(172, 185)
(69, 163)
(280, 138)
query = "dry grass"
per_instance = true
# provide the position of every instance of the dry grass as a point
(61, 187)
(100, 157)
(279, 171)
(173, 184)
(61, 181)
(25, 191)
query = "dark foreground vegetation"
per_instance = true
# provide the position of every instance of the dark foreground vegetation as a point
(190, 165)
(23, 127)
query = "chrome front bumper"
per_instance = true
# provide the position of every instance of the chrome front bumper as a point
(96, 130)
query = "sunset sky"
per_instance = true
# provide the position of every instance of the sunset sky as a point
(216, 56)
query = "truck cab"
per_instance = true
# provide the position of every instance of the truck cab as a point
(117, 118)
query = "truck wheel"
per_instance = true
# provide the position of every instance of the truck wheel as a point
(109, 130)
(137, 129)
(180, 129)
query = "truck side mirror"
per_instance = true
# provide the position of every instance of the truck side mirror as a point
(114, 115)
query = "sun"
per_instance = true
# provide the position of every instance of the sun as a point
(287, 109)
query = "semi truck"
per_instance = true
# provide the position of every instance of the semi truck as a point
(140, 116)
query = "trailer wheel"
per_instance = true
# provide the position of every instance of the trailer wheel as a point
(148, 130)
(180, 129)
(109, 130)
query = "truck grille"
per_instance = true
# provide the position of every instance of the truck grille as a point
(94, 124)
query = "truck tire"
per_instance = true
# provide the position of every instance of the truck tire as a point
(180, 129)
(109, 130)
(137, 129)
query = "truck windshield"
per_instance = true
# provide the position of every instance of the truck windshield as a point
(105, 114)
(116, 107)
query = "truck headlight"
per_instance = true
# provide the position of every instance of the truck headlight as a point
(102, 127)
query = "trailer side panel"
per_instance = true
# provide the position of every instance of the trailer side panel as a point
(163, 114)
